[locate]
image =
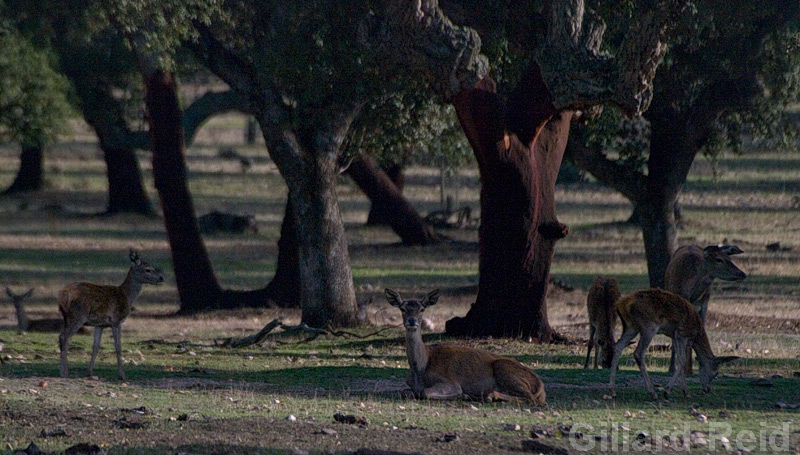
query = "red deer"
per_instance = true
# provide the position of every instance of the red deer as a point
(656, 311)
(446, 371)
(602, 320)
(102, 306)
(24, 324)
(692, 270)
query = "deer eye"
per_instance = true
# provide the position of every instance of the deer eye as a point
(720, 260)
(601, 342)
(149, 270)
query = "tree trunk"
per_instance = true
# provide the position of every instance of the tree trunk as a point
(126, 193)
(518, 161)
(326, 282)
(304, 142)
(636, 217)
(284, 289)
(197, 284)
(380, 214)
(401, 216)
(29, 176)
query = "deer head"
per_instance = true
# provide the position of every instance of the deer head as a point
(709, 370)
(411, 309)
(730, 250)
(719, 264)
(18, 298)
(144, 272)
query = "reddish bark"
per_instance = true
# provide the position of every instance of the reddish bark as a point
(380, 214)
(197, 284)
(400, 215)
(519, 147)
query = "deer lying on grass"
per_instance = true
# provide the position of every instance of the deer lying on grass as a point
(24, 324)
(656, 311)
(690, 273)
(602, 320)
(446, 371)
(102, 306)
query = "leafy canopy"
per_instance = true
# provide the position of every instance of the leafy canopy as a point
(33, 100)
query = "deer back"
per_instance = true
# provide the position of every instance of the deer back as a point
(460, 364)
(100, 304)
(666, 310)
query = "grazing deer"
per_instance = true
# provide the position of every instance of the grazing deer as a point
(102, 306)
(602, 320)
(690, 273)
(656, 311)
(24, 324)
(446, 371)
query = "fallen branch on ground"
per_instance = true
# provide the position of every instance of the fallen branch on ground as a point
(260, 337)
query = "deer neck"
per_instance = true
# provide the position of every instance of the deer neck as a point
(416, 351)
(22, 316)
(701, 283)
(702, 347)
(131, 287)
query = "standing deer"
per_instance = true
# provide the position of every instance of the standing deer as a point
(690, 273)
(446, 371)
(602, 320)
(656, 311)
(102, 306)
(24, 324)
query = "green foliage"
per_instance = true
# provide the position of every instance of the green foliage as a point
(33, 103)
(156, 28)
(409, 126)
(715, 55)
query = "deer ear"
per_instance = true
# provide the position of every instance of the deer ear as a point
(725, 359)
(28, 293)
(730, 250)
(431, 298)
(9, 293)
(134, 255)
(392, 297)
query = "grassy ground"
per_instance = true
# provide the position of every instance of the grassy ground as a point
(188, 394)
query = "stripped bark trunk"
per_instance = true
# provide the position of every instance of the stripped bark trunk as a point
(397, 211)
(197, 283)
(379, 214)
(519, 148)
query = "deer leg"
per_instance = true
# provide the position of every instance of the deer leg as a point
(672, 359)
(639, 354)
(115, 332)
(624, 339)
(679, 348)
(70, 328)
(98, 333)
(443, 391)
(589, 347)
(597, 352)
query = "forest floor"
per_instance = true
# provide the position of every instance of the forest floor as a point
(188, 393)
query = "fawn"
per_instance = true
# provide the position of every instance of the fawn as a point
(602, 320)
(102, 306)
(24, 324)
(690, 273)
(656, 311)
(446, 371)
